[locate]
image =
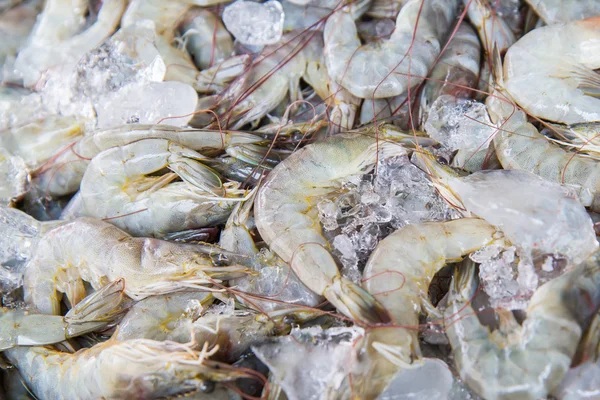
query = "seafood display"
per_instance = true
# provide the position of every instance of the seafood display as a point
(300, 199)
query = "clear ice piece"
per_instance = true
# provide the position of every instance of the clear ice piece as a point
(254, 24)
(170, 103)
(536, 215)
(459, 123)
(310, 362)
(432, 380)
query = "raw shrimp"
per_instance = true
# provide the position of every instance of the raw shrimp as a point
(528, 361)
(563, 85)
(63, 174)
(20, 328)
(388, 68)
(183, 321)
(117, 186)
(519, 145)
(90, 250)
(313, 13)
(287, 217)
(132, 369)
(493, 30)
(455, 72)
(556, 11)
(206, 38)
(56, 38)
(398, 275)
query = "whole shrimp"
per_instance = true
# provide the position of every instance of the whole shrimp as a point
(131, 369)
(557, 11)
(287, 218)
(94, 251)
(563, 86)
(63, 173)
(116, 185)
(20, 328)
(527, 361)
(398, 275)
(388, 68)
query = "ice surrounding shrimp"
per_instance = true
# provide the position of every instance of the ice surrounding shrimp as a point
(95, 312)
(117, 185)
(565, 56)
(57, 37)
(519, 145)
(131, 369)
(527, 361)
(287, 217)
(456, 71)
(493, 30)
(274, 285)
(557, 11)
(398, 274)
(388, 68)
(63, 174)
(94, 251)
(206, 38)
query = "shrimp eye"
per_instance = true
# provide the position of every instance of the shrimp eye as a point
(442, 160)
(207, 387)
(289, 319)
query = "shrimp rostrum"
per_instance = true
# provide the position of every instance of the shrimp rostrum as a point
(527, 361)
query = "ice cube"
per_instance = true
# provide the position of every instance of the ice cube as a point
(459, 123)
(417, 383)
(254, 24)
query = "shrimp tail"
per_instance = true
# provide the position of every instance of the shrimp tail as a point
(97, 310)
(353, 300)
(184, 162)
(465, 281)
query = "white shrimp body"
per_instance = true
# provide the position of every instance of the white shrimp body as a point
(287, 218)
(97, 252)
(519, 145)
(530, 360)
(379, 70)
(132, 369)
(563, 85)
(557, 11)
(56, 38)
(116, 185)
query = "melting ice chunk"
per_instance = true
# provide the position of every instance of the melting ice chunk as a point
(310, 362)
(430, 381)
(254, 24)
(459, 123)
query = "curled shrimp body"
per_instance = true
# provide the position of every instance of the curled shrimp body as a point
(398, 275)
(63, 174)
(565, 56)
(97, 252)
(20, 328)
(387, 68)
(287, 217)
(132, 369)
(527, 361)
(556, 11)
(519, 145)
(117, 185)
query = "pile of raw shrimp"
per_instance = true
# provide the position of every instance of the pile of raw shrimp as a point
(300, 199)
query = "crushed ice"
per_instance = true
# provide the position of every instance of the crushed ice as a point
(255, 24)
